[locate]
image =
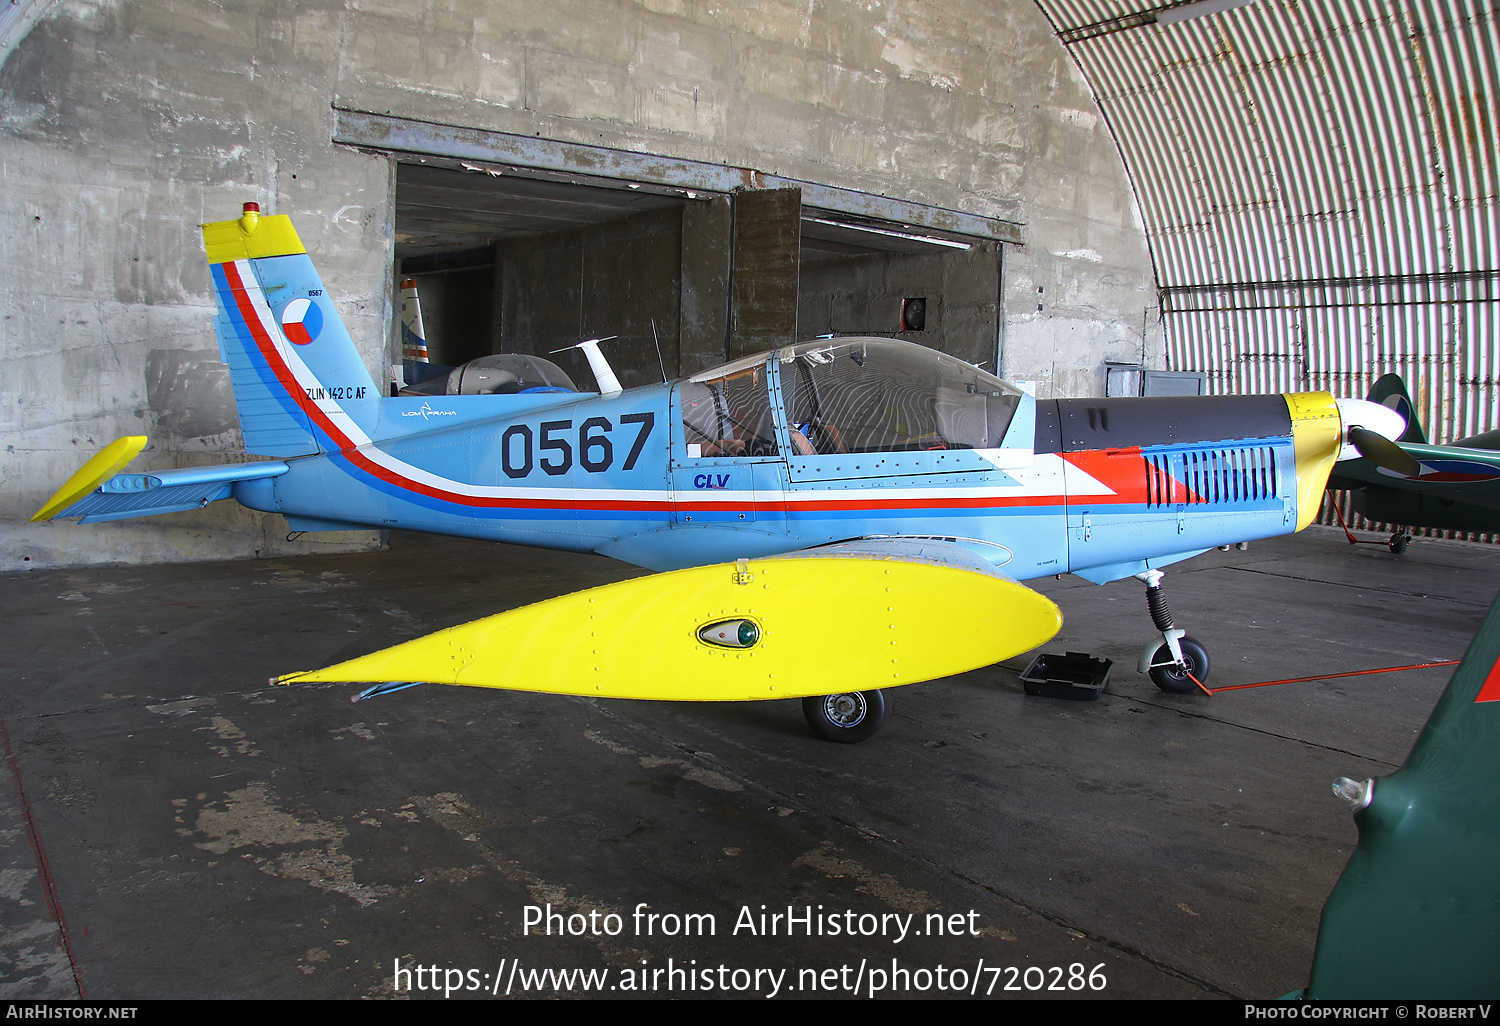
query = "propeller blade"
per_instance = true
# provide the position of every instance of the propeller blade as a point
(1383, 452)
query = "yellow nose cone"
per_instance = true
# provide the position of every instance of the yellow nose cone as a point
(1317, 436)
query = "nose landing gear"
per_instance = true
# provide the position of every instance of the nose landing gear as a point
(1177, 664)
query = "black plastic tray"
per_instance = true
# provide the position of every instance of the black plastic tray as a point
(1076, 676)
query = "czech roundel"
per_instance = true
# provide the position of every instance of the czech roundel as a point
(302, 321)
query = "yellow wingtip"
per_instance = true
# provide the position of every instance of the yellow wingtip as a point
(106, 463)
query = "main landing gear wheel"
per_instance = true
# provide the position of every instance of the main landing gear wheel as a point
(1174, 679)
(847, 719)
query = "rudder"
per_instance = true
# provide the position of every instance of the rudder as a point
(299, 382)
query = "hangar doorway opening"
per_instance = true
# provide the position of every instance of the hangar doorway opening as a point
(514, 259)
(862, 276)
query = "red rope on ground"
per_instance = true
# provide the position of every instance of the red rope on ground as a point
(45, 878)
(1325, 676)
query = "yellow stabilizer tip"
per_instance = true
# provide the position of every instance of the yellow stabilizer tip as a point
(107, 462)
(822, 625)
(247, 238)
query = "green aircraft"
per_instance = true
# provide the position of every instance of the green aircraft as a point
(1416, 914)
(1411, 483)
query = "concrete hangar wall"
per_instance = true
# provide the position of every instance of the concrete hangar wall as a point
(718, 174)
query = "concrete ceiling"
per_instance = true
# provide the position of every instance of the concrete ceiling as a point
(449, 206)
(445, 206)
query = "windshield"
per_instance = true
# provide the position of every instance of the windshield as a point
(884, 395)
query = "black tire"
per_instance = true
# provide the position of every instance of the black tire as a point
(1399, 541)
(846, 719)
(1173, 680)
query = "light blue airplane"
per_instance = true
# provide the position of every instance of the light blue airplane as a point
(828, 519)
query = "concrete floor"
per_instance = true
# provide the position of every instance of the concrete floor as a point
(202, 834)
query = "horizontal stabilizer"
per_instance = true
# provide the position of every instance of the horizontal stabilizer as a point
(105, 463)
(815, 623)
(122, 496)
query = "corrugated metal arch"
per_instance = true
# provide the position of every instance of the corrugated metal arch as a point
(16, 19)
(1319, 188)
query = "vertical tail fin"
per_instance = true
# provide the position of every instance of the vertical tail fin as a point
(413, 334)
(299, 382)
(1390, 392)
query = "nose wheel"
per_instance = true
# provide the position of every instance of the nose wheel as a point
(1176, 663)
(1174, 677)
